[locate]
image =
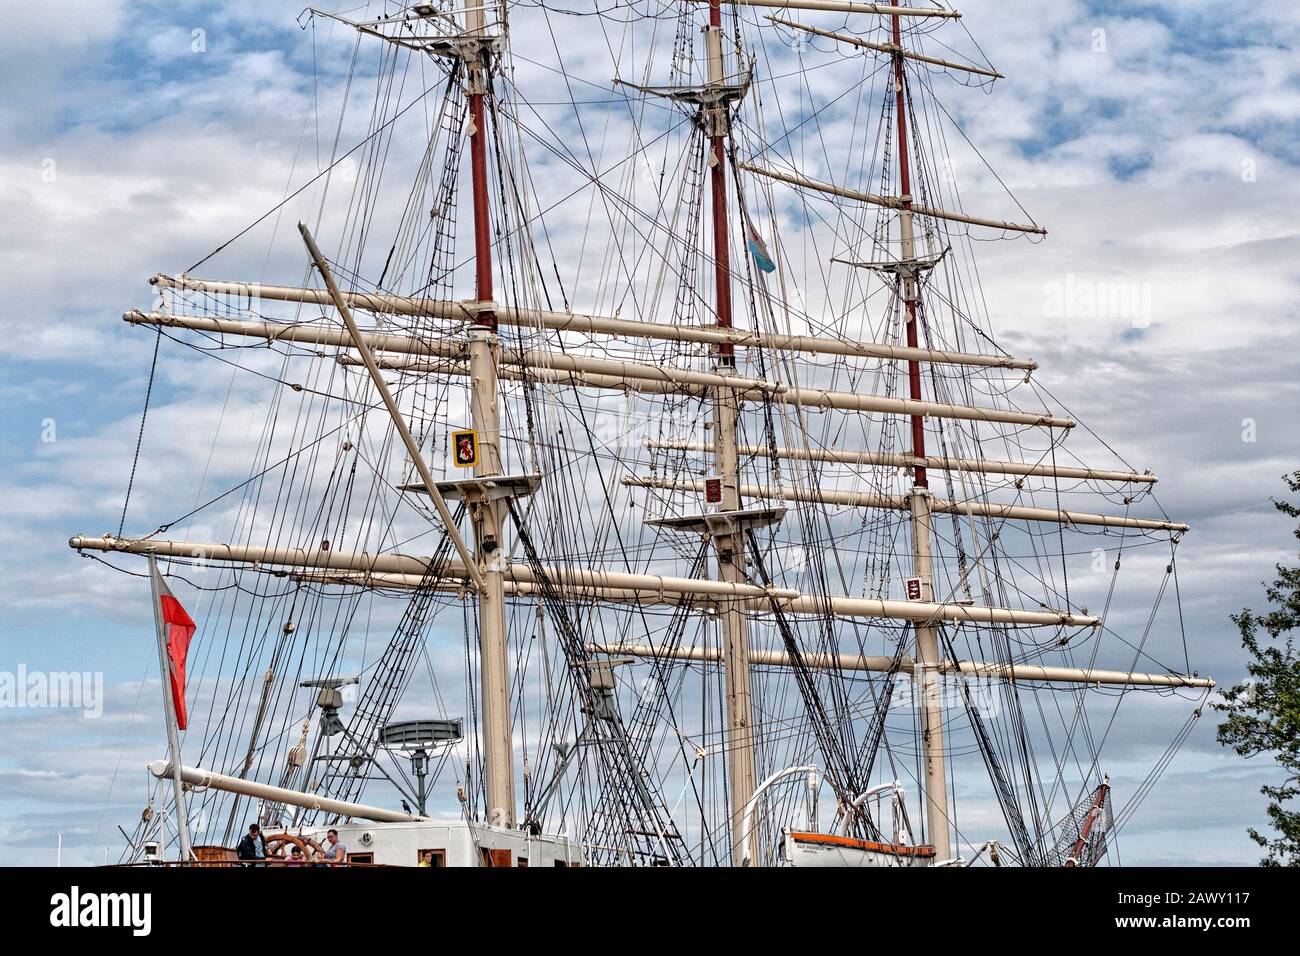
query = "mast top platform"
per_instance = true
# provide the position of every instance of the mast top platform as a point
(721, 523)
(704, 94)
(480, 490)
(904, 268)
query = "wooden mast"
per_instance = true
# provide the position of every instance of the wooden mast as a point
(927, 642)
(483, 344)
(730, 549)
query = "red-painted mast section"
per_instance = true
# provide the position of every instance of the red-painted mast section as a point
(482, 223)
(905, 186)
(1076, 854)
(721, 257)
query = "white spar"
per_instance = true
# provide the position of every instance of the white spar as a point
(402, 569)
(882, 665)
(594, 372)
(197, 777)
(888, 48)
(871, 499)
(890, 202)
(386, 304)
(987, 466)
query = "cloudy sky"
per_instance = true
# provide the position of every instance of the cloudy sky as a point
(1157, 141)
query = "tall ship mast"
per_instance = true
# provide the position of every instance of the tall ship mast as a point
(678, 509)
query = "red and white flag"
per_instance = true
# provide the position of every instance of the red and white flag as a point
(177, 629)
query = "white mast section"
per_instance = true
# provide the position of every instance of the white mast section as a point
(714, 120)
(935, 754)
(987, 466)
(482, 345)
(554, 321)
(499, 777)
(883, 665)
(869, 499)
(890, 202)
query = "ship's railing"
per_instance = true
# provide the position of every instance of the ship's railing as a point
(244, 864)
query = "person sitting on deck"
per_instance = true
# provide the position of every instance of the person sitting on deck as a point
(252, 847)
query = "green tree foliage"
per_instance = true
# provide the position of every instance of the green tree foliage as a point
(1264, 711)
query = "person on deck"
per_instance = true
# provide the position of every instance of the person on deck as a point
(252, 848)
(336, 853)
